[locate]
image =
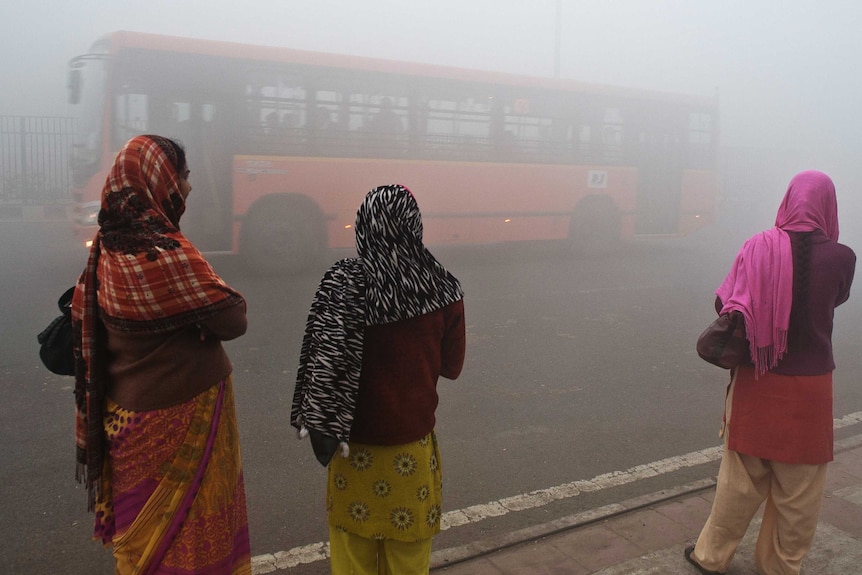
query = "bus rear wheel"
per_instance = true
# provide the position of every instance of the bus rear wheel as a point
(283, 234)
(595, 227)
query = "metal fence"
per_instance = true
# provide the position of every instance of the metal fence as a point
(34, 159)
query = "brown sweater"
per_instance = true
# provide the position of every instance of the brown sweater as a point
(150, 372)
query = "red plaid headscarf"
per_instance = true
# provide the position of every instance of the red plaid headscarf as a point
(142, 276)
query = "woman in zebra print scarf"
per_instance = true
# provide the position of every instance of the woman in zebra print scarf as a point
(382, 328)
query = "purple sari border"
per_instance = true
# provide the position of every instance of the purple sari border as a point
(191, 493)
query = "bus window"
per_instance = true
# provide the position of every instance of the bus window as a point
(385, 120)
(322, 123)
(454, 125)
(377, 121)
(324, 111)
(88, 145)
(131, 117)
(583, 143)
(700, 139)
(277, 102)
(700, 128)
(442, 116)
(533, 123)
(473, 118)
(518, 126)
(181, 112)
(388, 123)
(612, 136)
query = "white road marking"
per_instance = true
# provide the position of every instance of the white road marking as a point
(270, 562)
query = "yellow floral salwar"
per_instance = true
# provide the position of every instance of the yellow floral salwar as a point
(387, 491)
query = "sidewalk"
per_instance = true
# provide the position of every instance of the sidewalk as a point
(647, 535)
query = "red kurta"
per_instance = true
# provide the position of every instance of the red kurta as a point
(785, 418)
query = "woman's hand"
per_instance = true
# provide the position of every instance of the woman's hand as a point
(204, 332)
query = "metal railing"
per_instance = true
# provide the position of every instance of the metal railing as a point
(34, 159)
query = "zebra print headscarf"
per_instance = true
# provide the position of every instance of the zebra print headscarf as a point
(403, 279)
(394, 278)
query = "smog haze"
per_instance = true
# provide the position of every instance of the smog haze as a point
(581, 366)
(782, 70)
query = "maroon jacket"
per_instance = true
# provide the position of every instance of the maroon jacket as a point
(401, 363)
(809, 351)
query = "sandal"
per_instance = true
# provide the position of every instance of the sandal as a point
(688, 551)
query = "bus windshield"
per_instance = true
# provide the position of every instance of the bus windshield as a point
(87, 79)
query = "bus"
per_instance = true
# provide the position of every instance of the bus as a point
(283, 144)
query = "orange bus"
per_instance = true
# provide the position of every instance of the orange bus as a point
(283, 144)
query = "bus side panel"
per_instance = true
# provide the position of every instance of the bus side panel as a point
(460, 202)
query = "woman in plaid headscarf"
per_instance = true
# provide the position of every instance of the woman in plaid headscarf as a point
(382, 329)
(157, 441)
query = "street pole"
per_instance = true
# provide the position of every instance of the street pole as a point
(557, 36)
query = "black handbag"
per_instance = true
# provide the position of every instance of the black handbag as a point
(56, 339)
(723, 342)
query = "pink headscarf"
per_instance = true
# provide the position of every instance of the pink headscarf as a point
(760, 282)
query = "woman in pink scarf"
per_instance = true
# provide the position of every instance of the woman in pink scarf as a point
(787, 282)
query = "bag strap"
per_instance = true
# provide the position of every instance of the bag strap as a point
(65, 301)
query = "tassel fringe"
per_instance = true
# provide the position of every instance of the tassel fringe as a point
(767, 357)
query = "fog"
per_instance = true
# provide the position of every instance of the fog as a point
(554, 350)
(782, 69)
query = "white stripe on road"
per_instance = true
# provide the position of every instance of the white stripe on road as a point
(270, 562)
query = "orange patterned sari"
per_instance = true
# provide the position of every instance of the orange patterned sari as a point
(172, 493)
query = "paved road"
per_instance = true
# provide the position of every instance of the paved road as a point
(576, 368)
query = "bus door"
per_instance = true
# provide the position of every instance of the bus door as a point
(197, 125)
(659, 160)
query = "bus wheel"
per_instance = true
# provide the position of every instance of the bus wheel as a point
(283, 234)
(595, 227)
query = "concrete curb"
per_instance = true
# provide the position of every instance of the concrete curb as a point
(476, 549)
(453, 555)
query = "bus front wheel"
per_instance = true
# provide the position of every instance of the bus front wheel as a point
(283, 234)
(595, 227)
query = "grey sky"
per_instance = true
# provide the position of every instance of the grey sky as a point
(783, 68)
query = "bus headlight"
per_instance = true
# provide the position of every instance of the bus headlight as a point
(88, 214)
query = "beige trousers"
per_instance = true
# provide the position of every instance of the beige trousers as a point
(793, 494)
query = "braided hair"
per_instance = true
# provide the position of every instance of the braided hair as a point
(800, 321)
